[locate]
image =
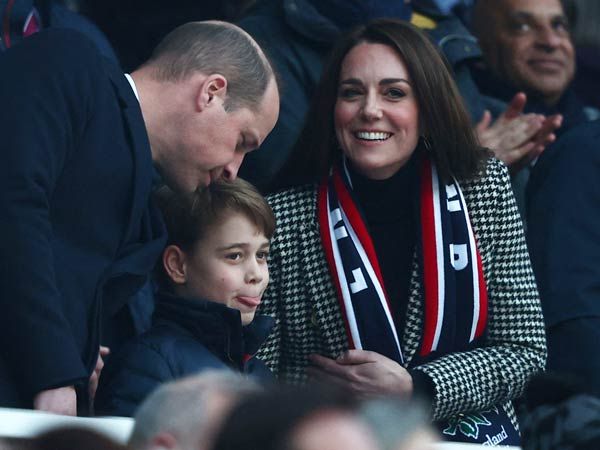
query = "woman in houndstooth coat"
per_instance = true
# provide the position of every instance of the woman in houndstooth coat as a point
(399, 264)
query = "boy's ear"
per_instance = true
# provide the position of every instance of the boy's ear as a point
(174, 262)
(213, 88)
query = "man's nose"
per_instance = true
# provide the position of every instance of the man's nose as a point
(548, 37)
(230, 171)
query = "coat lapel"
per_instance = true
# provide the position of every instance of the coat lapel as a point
(144, 233)
(140, 152)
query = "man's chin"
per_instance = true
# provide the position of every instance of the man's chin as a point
(194, 187)
(177, 184)
(544, 88)
(550, 93)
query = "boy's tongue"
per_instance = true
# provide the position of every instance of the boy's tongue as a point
(249, 301)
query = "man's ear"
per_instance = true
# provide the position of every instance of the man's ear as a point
(174, 262)
(163, 441)
(213, 88)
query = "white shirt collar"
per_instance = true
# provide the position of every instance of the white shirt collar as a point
(132, 83)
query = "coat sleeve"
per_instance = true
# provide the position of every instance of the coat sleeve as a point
(129, 377)
(515, 346)
(45, 95)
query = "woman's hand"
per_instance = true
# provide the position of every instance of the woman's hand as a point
(365, 372)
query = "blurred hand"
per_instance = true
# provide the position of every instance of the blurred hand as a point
(517, 138)
(95, 377)
(365, 372)
(61, 400)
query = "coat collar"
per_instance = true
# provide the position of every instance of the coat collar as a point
(216, 326)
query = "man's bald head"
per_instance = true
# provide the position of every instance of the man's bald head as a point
(527, 44)
(214, 47)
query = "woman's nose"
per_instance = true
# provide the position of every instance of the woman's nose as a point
(371, 109)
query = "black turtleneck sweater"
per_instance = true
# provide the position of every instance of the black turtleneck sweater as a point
(389, 209)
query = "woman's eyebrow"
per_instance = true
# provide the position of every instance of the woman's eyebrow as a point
(386, 81)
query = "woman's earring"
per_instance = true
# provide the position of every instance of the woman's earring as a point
(426, 143)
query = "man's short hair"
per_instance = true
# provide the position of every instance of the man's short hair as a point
(182, 407)
(188, 216)
(215, 47)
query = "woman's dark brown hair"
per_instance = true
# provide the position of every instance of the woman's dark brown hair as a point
(442, 115)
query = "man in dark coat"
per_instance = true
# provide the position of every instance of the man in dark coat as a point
(564, 242)
(78, 233)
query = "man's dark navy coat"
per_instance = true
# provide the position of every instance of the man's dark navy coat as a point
(78, 233)
(564, 242)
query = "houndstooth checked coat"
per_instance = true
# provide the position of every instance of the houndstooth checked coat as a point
(302, 299)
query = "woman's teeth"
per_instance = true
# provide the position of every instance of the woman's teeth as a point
(372, 135)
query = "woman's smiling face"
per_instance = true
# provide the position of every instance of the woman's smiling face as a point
(376, 113)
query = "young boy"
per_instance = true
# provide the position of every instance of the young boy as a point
(211, 278)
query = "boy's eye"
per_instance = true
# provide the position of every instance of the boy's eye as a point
(233, 256)
(262, 255)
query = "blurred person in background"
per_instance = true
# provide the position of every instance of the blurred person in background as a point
(528, 51)
(562, 414)
(398, 424)
(315, 417)
(586, 37)
(186, 414)
(564, 242)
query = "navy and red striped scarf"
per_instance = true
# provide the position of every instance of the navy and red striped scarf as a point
(455, 295)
